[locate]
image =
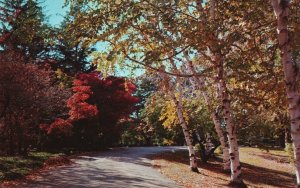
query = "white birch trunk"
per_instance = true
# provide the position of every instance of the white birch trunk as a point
(201, 85)
(230, 128)
(236, 177)
(179, 110)
(224, 144)
(291, 73)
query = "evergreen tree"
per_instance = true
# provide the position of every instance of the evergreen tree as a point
(24, 27)
(70, 52)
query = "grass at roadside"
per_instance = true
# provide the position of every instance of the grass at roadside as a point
(17, 167)
(260, 169)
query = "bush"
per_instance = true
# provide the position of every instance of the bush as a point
(168, 142)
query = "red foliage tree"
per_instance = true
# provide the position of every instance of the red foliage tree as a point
(96, 107)
(79, 108)
(112, 95)
(28, 97)
(58, 127)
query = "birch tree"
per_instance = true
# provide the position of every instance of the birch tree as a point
(291, 76)
(214, 114)
(179, 109)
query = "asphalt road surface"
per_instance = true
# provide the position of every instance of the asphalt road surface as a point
(117, 168)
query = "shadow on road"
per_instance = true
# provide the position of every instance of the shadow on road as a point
(120, 167)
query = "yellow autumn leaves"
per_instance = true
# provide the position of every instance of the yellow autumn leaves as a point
(169, 115)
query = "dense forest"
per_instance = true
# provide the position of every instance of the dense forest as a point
(205, 74)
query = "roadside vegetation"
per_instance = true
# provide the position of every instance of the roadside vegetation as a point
(15, 167)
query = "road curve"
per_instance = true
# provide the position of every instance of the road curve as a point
(119, 167)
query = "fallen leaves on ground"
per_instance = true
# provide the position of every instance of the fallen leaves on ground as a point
(259, 167)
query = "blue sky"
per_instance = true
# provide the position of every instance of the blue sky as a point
(54, 10)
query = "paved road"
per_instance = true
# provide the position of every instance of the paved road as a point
(120, 167)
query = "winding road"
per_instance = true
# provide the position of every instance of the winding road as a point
(119, 167)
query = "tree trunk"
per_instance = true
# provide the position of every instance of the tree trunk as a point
(287, 137)
(9, 124)
(281, 137)
(201, 147)
(187, 136)
(19, 138)
(230, 128)
(224, 143)
(291, 73)
(201, 85)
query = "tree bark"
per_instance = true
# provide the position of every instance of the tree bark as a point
(230, 127)
(201, 85)
(287, 137)
(235, 166)
(179, 110)
(291, 74)
(224, 143)
(5, 106)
